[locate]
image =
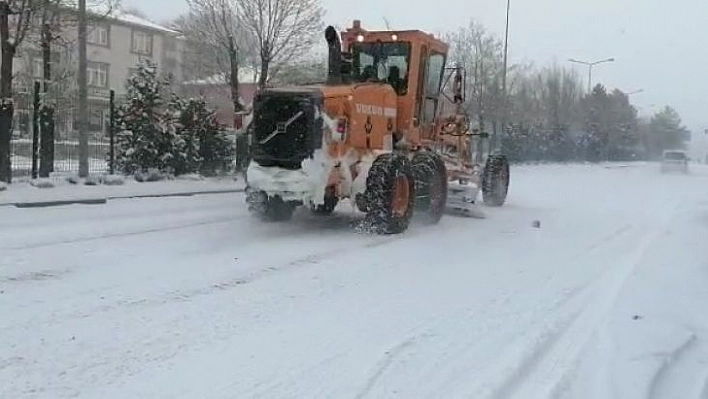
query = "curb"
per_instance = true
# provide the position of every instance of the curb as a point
(46, 204)
(179, 194)
(103, 201)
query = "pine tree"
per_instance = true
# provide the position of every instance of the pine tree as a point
(144, 141)
(187, 158)
(666, 132)
(208, 147)
(175, 137)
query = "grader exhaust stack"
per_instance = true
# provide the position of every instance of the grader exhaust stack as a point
(334, 68)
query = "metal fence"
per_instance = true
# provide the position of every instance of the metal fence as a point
(66, 143)
(66, 158)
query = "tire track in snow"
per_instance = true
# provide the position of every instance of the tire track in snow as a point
(525, 356)
(77, 240)
(182, 295)
(457, 351)
(677, 367)
(229, 284)
(565, 314)
(704, 389)
(385, 363)
(157, 348)
(548, 364)
(300, 262)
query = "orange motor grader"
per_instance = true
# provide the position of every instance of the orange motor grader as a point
(377, 132)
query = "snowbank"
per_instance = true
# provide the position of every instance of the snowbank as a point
(71, 188)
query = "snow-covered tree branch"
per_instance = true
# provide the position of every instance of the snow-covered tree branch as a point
(218, 45)
(283, 29)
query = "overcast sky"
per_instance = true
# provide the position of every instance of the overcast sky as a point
(660, 46)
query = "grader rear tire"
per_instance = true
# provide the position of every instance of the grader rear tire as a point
(330, 203)
(390, 194)
(430, 186)
(271, 209)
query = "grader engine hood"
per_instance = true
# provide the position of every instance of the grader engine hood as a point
(368, 111)
(286, 126)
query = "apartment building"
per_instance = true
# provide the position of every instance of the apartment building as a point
(117, 41)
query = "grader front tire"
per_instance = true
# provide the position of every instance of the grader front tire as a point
(495, 181)
(430, 186)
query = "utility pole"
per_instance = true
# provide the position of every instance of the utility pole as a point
(46, 117)
(590, 65)
(233, 58)
(83, 93)
(233, 61)
(505, 98)
(7, 107)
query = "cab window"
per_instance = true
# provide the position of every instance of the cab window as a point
(384, 62)
(433, 78)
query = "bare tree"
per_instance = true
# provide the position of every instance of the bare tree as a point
(312, 69)
(15, 17)
(213, 31)
(283, 29)
(548, 96)
(83, 91)
(481, 53)
(202, 57)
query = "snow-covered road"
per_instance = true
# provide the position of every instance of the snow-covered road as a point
(191, 297)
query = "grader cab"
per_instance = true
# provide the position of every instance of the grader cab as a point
(375, 133)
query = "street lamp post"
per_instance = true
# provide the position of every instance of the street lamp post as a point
(504, 93)
(590, 65)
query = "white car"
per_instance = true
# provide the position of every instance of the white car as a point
(674, 161)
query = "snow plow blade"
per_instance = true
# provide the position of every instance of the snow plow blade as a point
(462, 200)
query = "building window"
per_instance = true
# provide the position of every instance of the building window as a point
(142, 43)
(97, 118)
(98, 35)
(37, 68)
(97, 74)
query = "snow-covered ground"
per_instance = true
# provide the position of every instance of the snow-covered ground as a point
(191, 297)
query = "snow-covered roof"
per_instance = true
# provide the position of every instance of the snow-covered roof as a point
(101, 8)
(131, 19)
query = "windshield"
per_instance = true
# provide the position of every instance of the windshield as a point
(383, 61)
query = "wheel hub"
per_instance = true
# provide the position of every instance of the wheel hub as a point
(401, 195)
